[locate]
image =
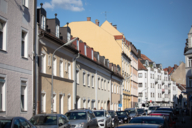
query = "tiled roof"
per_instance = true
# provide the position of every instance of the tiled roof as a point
(140, 66)
(144, 57)
(172, 69)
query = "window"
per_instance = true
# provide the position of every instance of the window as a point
(54, 103)
(3, 29)
(112, 88)
(54, 66)
(153, 76)
(68, 36)
(88, 104)
(92, 54)
(140, 94)
(23, 95)
(84, 104)
(88, 84)
(24, 37)
(69, 70)
(117, 89)
(84, 78)
(108, 86)
(43, 102)
(24, 123)
(57, 31)
(49, 60)
(43, 63)
(61, 104)
(43, 22)
(151, 85)
(25, 3)
(61, 68)
(85, 50)
(2, 93)
(101, 84)
(105, 86)
(69, 103)
(146, 94)
(145, 85)
(77, 76)
(98, 83)
(145, 75)
(77, 42)
(151, 94)
(140, 85)
(92, 81)
(17, 124)
(140, 75)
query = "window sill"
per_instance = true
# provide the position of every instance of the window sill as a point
(2, 111)
(25, 7)
(24, 58)
(23, 111)
(1, 50)
(84, 85)
(92, 86)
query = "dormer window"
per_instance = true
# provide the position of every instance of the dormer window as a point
(77, 42)
(104, 61)
(68, 36)
(92, 54)
(43, 22)
(57, 31)
(108, 63)
(85, 50)
(98, 57)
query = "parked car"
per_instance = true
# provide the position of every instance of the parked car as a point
(140, 126)
(177, 111)
(15, 122)
(141, 111)
(50, 121)
(103, 118)
(152, 109)
(132, 112)
(150, 120)
(83, 118)
(171, 122)
(168, 109)
(165, 111)
(123, 116)
(115, 119)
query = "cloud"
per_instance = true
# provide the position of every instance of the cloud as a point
(72, 5)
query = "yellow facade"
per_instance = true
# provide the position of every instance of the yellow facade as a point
(98, 38)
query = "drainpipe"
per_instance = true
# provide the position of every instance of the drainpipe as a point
(111, 91)
(75, 81)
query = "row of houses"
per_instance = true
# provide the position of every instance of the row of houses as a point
(100, 69)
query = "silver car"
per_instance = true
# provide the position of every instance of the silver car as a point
(15, 122)
(82, 118)
(152, 109)
(50, 121)
(103, 118)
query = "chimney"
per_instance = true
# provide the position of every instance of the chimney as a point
(169, 68)
(139, 53)
(175, 66)
(111, 23)
(115, 26)
(88, 18)
(97, 22)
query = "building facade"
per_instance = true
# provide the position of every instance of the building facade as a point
(16, 55)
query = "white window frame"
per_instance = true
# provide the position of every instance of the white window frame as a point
(24, 109)
(69, 70)
(61, 68)
(77, 43)
(108, 86)
(43, 22)
(189, 61)
(68, 36)
(69, 102)
(43, 62)
(85, 50)
(140, 75)
(3, 82)
(98, 82)
(92, 54)
(66, 68)
(84, 104)
(25, 3)
(55, 66)
(54, 102)
(57, 31)
(61, 102)
(23, 30)
(84, 79)
(43, 103)
(117, 89)
(4, 30)
(77, 75)
(92, 81)
(89, 104)
(114, 88)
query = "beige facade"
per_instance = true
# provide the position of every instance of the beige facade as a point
(62, 80)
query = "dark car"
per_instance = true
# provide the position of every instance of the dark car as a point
(15, 122)
(165, 111)
(123, 116)
(140, 111)
(177, 111)
(140, 126)
(50, 121)
(152, 109)
(132, 112)
(115, 120)
(150, 120)
(168, 109)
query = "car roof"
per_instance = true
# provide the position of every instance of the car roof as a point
(130, 109)
(139, 126)
(79, 110)
(163, 111)
(7, 117)
(148, 117)
(120, 111)
(98, 110)
(153, 106)
(49, 114)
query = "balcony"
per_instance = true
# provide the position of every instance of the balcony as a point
(163, 90)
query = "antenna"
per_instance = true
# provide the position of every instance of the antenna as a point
(105, 12)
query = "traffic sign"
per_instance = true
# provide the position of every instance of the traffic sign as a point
(120, 105)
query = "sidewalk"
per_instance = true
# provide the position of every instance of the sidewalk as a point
(187, 124)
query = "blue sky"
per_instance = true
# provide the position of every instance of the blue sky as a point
(158, 28)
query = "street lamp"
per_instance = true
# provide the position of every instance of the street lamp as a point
(66, 44)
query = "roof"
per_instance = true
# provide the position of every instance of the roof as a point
(144, 57)
(139, 125)
(140, 65)
(149, 117)
(181, 86)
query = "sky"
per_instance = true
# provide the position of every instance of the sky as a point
(159, 28)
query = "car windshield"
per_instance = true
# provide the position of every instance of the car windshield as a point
(168, 109)
(131, 111)
(152, 108)
(121, 114)
(76, 115)
(5, 123)
(140, 110)
(111, 113)
(44, 120)
(147, 121)
(99, 113)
